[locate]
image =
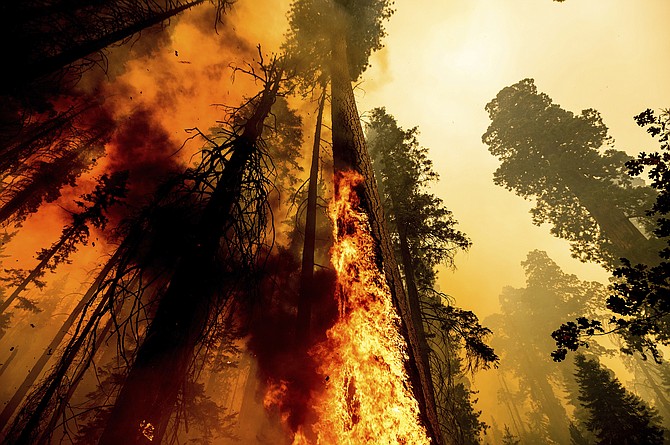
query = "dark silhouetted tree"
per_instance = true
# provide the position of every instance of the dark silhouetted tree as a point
(63, 38)
(150, 391)
(617, 417)
(110, 190)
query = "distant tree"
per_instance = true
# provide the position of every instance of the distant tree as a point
(616, 415)
(550, 295)
(509, 438)
(639, 300)
(579, 185)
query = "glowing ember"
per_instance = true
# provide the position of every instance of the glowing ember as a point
(147, 430)
(367, 398)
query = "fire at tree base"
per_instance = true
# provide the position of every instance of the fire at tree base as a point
(367, 397)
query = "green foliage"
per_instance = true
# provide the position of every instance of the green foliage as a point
(616, 415)
(315, 23)
(561, 160)
(640, 299)
(424, 229)
(404, 173)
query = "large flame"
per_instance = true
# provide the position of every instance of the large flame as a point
(367, 397)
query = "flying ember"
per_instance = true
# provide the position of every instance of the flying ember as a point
(367, 397)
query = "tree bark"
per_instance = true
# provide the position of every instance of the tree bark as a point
(350, 154)
(146, 401)
(303, 318)
(627, 239)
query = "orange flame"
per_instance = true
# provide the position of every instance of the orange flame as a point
(367, 397)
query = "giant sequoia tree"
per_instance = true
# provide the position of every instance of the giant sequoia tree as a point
(639, 300)
(580, 186)
(334, 39)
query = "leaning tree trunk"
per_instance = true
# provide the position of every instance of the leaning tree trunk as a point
(413, 298)
(149, 394)
(303, 319)
(39, 269)
(38, 367)
(627, 239)
(350, 153)
(23, 74)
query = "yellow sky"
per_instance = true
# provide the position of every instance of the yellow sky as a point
(444, 61)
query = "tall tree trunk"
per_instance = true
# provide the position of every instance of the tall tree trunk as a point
(661, 398)
(100, 338)
(350, 153)
(26, 432)
(38, 367)
(627, 239)
(9, 360)
(37, 270)
(304, 314)
(23, 75)
(413, 298)
(559, 423)
(147, 399)
(517, 420)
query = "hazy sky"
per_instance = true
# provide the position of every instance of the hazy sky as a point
(444, 61)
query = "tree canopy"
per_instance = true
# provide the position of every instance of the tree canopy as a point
(315, 23)
(616, 415)
(564, 161)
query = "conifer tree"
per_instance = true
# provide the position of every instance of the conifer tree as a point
(617, 416)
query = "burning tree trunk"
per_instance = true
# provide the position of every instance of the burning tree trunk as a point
(307, 271)
(147, 399)
(350, 154)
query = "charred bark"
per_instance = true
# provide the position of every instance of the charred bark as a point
(350, 153)
(147, 399)
(303, 319)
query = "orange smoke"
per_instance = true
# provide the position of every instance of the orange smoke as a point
(367, 397)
